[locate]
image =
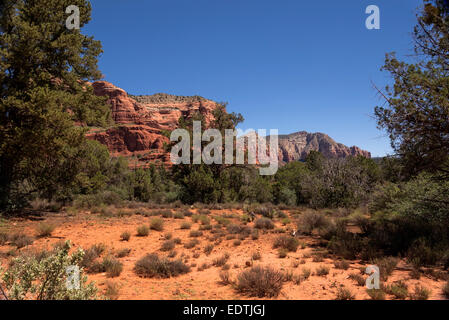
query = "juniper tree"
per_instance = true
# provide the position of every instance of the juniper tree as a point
(417, 112)
(44, 69)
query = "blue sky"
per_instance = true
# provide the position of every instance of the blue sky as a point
(291, 65)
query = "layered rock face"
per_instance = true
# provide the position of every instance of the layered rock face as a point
(140, 120)
(297, 146)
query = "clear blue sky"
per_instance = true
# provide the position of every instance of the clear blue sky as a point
(290, 65)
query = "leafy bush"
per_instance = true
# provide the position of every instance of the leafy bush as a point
(260, 282)
(151, 266)
(45, 278)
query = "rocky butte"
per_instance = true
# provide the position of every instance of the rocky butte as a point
(141, 120)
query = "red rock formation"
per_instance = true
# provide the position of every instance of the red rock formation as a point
(140, 120)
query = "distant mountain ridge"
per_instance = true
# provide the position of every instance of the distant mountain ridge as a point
(141, 120)
(296, 146)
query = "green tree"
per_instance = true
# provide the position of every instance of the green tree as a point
(417, 111)
(44, 69)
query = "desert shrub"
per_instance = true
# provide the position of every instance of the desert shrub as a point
(168, 236)
(255, 234)
(166, 213)
(125, 236)
(225, 277)
(187, 213)
(376, 294)
(45, 278)
(205, 227)
(260, 282)
(45, 229)
(286, 242)
(186, 225)
(178, 215)
(172, 254)
(342, 264)
(191, 244)
(93, 200)
(309, 221)
(446, 290)
(386, 266)
(256, 256)
(359, 279)
(91, 254)
(306, 272)
(152, 266)
(20, 240)
(143, 231)
(237, 242)
(322, 270)
(398, 289)
(3, 238)
(420, 293)
(208, 249)
(157, 224)
(221, 261)
(203, 219)
(123, 253)
(318, 257)
(420, 254)
(112, 291)
(344, 294)
(263, 223)
(112, 267)
(282, 253)
(168, 245)
(195, 233)
(177, 240)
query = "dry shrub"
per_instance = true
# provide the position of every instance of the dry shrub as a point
(263, 223)
(221, 261)
(225, 277)
(157, 224)
(260, 282)
(125, 236)
(309, 221)
(420, 293)
(343, 264)
(376, 294)
(151, 266)
(123, 253)
(143, 231)
(45, 229)
(344, 294)
(20, 240)
(286, 242)
(112, 290)
(322, 270)
(168, 245)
